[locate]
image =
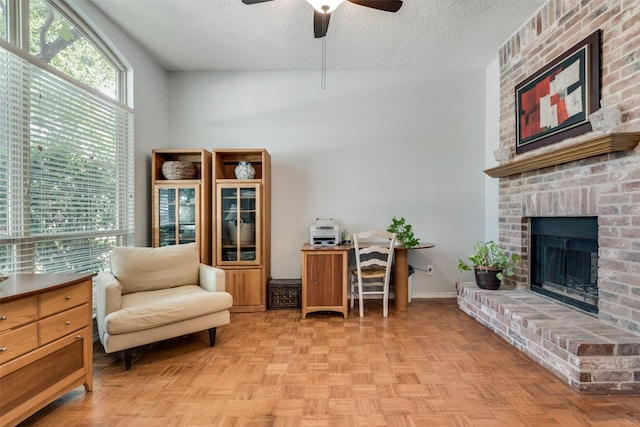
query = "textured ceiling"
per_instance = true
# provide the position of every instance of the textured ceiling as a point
(278, 35)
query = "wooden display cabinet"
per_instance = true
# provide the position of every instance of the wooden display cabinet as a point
(182, 207)
(241, 240)
(46, 341)
(325, 279)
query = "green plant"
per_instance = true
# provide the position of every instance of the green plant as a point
(404, 233)
(489, 256)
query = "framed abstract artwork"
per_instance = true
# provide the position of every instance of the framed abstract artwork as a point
(555, 102)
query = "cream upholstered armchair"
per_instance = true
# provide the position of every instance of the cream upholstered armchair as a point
(152, 294)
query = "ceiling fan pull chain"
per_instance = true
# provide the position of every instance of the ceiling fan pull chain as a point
(323, 83)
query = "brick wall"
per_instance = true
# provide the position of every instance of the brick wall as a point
(607, 186)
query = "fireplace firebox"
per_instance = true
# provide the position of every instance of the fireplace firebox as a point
(564, 260)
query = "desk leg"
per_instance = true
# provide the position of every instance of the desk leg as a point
(402, 278)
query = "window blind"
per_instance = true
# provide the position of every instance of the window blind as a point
(66, 170)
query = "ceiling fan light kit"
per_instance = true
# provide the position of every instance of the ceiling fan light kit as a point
(325, 6)
(322, 12)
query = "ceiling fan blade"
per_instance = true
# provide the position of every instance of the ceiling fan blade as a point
(385, 5)
(320, 23)
(254, 1)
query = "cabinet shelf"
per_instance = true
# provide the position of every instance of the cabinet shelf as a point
(177, 181)
(245, 211)
(240, 181)
(241, 197)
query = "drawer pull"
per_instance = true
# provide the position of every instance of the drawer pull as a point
(78, 337)
(3, 349)
(68, 322)
(68, 298)
(3, 317)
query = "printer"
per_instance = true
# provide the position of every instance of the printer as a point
(324, 233)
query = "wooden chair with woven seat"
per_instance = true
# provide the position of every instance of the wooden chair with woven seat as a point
(374, 258)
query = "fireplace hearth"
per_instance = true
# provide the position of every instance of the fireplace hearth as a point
(564, 260)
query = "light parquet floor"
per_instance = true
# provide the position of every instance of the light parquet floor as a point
(431, 365)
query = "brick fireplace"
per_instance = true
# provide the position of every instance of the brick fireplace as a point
(573, 178)
(606, 186)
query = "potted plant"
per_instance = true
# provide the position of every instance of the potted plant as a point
(490, 264)
(404, 233)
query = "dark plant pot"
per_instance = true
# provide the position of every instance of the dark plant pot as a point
(486, 279)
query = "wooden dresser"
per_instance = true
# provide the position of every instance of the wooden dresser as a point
(46, 346)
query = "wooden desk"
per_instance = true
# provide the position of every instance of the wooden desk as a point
(327, 269)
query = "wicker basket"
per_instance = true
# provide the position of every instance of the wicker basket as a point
(247, 232)
(178, 170)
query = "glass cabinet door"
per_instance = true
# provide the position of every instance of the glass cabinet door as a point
(178, 215)
(238, 224)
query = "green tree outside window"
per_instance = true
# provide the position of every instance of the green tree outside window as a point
(53, 39)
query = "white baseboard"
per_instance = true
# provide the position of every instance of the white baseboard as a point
(419, 296)
(435, 295)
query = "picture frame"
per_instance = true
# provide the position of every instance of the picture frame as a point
(555, 102)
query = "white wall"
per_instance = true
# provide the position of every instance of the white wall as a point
(150, 101)
(423, 133)
(370, 146)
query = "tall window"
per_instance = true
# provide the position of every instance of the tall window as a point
(66, 143)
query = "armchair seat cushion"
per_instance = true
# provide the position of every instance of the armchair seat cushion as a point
(151, 309)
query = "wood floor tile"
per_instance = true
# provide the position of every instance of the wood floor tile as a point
(431, 365)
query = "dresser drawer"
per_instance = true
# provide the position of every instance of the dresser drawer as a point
(18, 342)
(61, 324)
(18, 312)
(64, 298)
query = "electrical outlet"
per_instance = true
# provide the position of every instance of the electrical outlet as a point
(429, 270)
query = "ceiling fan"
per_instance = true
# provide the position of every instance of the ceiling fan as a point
(323, 8)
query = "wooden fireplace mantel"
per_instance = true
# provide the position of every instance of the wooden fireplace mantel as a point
(600, 144)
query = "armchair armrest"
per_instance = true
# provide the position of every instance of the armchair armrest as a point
(108, 297)
(212, 278)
